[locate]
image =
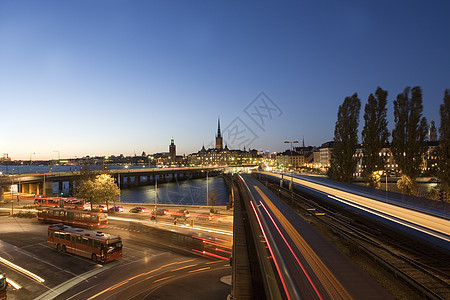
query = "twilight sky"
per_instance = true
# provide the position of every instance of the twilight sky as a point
(108, 77)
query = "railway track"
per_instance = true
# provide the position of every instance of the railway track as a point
(424, 269)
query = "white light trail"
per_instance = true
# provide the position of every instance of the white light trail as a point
(22, 270)
(13, 284)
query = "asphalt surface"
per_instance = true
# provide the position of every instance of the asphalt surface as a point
(67, 276)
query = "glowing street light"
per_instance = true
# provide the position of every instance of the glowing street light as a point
(31, 154)
(59, 156)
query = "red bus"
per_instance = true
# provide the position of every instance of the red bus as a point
(3, 285)
(80, 218)
(96, 245)
(73, 203)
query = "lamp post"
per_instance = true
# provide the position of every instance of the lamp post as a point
(31, 154)
(59, 156)
(291, 185)
(207, 191)
(386, 173)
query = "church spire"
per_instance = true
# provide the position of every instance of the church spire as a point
(219, 140)
(218, 128)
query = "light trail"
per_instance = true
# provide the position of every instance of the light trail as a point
(271, 251)
(198, 270)
(137, 276)
(181, 268)
(169, 224)
(331, 284)
(289, 246)
(165, 278)
(436, 225)
(386, 216)
(21, 270)
(13, 284)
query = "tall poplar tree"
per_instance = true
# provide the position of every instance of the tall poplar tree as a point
(444, 146)
(408, 137)
(374, 136)
(343, 162)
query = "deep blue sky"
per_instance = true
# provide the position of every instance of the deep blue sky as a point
(109, 77)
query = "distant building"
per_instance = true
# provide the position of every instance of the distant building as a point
(290, 160)
(222, 156)
(5, 157)
(432, 132)
(430, 164)
(172, 151)
(219, 139)
(325, 154)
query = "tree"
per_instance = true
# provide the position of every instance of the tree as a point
(408, 138)
(100, 190)
(374, 136)
(444, 145)
(212, 198)
(343, 162)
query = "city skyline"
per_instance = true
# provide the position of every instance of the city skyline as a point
(100, 78)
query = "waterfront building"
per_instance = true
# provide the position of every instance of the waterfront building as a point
(223, 156)
(219, 139)
(172, 151)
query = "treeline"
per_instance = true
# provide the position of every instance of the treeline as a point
(408, 145)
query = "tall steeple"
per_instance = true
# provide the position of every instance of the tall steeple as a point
(432, 132)
(172, 151)
(219, 140)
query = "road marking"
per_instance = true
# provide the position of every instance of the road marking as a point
(41, 260)
(58, 290)
(198, 270)
(213, 262)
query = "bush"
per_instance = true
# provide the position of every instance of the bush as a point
(27, 215)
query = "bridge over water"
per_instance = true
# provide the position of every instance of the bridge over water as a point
(42, 184)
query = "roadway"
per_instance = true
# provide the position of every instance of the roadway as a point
(147, 268)
(421, 224)
(316, 269)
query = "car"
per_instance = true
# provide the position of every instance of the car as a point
(102, 207)
(116, 208)
(182, 213)
(160, 211)
(138, 209)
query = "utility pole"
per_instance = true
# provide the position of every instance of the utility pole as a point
(207, 188)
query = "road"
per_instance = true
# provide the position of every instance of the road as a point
(313, 265)
(66, 276)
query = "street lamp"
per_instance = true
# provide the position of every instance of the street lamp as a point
(31, 154)
(59, 156)
(291, 185)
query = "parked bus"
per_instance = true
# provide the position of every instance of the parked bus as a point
(3, 285)
(73, 203)
(80, 218)
(96, 245)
